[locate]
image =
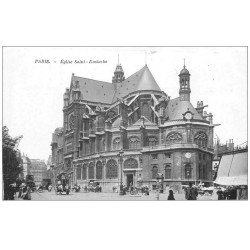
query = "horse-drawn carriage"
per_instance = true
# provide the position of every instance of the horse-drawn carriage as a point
(76, 188)
(93, 186)
(62, 186)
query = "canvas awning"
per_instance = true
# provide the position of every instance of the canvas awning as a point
(232, 170)
(232, 181)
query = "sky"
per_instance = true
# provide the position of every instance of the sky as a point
(33, 92)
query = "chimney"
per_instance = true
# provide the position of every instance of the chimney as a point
(210, 118)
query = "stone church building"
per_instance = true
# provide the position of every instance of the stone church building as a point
(129, 130)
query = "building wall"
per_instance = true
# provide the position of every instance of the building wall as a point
(38, 169)
(177, 163)
(94, 131)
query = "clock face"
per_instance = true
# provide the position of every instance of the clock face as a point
(188, 155)
(188, 116)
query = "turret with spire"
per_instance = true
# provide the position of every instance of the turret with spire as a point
(118, 74)
(184, 84)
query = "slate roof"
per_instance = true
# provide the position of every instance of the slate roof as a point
(176, 108)
(104, 92)
(184, 71)
(141, 80)
(94, 90)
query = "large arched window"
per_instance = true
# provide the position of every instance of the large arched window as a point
(200, 139)
(188, 172)
(200, 172)
(152, 141)
(92, 146)
(205, 172)
(84, 172)
(130, 163)
(98, 144)
(168, 172)
(134, 142)
(146, 111)
(154, 172)
(111, 169)
(91, 170)
(78, 173)
(98, 170)
(174, 137)
(116, 143)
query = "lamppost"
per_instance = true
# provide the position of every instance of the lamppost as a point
(120, 156)
(160, 178)
(188, 175)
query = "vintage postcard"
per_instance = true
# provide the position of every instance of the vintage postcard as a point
(125, 123)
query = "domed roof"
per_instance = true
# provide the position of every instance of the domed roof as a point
(176, 108)
(184, 71)
(118, 68)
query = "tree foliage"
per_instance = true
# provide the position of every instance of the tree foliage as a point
(12, 166)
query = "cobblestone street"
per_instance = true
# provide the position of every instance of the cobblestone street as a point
(46, 196)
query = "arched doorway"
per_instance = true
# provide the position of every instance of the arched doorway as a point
(129, 168)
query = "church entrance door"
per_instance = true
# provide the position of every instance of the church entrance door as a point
(130, 178)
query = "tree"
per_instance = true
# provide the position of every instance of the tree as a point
(12, 166)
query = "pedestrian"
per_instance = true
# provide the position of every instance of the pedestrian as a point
(27, 194)
(220, 194)
(194, 193)
(171, 195)
(157, 190)
(11, 192)
(232, 193)
(131, 187)
(21, 187)
(188, 192)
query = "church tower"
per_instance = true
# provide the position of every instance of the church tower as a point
(184, 84)
(118, 74)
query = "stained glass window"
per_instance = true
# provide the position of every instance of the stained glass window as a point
(168, 172)
(91, 170)
(78, 173)
(154, 172)
(200, 139)
(116, 143)
(146, 111)
(98, 170)
(130, 163)
(200, 172)
(84, 172)
(112, 169)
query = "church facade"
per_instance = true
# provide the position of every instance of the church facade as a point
(130, 131)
